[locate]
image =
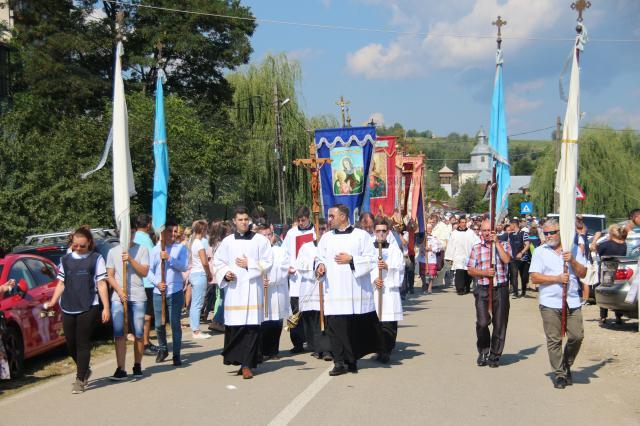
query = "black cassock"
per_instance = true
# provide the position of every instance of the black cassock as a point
(354, 336)
(242, 345)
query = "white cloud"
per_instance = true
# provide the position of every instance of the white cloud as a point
(516, 103)
(377, 117)
(414, 55)
(619, 117)
(303, 54)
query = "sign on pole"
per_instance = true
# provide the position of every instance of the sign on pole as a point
(526, 207)
(580, 195)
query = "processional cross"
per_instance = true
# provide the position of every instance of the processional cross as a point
(499, 23)
(580, 6)
(342, 104)
(313, 164)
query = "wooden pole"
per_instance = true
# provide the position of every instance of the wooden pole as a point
(163, 278)
(125, 305)
(563, 321)
(492, 218)
(265, 291)
(381, 289)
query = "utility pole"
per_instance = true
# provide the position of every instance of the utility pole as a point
(558, 138)
(278, 152)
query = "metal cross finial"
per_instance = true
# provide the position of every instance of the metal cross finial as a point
(499, 23)
(580, 6)
(159, 46)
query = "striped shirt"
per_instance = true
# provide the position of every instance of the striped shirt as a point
(480, 259)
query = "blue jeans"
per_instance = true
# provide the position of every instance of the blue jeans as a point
(198, 282)
(218, 315)
(135, 316)
(174, 309)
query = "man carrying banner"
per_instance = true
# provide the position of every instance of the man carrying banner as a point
(479, 266)
(240, 262)
(547, 271)
(293, 241)
(386, 280)
(345, 258)
(176, 261)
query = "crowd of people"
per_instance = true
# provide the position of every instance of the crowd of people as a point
(337, 288)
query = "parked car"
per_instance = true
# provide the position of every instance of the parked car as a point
(55, 251)
(30, 329)
(616, 273)
(62, 237)
(594, 222)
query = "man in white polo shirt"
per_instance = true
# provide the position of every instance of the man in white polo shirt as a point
(547, 271)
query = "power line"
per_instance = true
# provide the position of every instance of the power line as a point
(359, 29)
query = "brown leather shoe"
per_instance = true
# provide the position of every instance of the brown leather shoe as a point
(246, 373)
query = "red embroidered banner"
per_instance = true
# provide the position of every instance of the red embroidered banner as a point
(382, 177)
(412, 169)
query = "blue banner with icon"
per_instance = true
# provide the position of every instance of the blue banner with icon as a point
(346, 179)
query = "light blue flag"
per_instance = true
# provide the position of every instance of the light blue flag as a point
(498, 142)
(161, 157)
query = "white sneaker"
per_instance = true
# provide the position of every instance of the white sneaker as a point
(201, 335)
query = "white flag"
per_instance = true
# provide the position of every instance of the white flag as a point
(567, 174)
(123, 186)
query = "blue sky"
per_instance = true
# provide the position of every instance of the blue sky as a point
(444, 83)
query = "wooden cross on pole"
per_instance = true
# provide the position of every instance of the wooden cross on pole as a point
(120, 25)
(580, 6)
(313, 164)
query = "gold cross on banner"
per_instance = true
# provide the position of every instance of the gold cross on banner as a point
(580, 6)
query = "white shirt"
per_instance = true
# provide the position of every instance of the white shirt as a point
(459, 248)
(547, 261)
(391, 300)
(293, 242)
(279, 306)
(196, 246)
(100, 274)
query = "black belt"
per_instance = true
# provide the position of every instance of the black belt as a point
(499, 285)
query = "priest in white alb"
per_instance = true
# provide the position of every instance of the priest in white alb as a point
(386, 279)
(277, 291)
(317, 340)
(296, 237)
(345, 259)
(240, 261)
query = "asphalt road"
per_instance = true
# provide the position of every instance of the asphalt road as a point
(432, 379)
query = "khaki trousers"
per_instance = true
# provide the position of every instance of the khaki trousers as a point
(551, 322)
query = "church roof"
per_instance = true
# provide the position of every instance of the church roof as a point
(481, 149)
(445, 169)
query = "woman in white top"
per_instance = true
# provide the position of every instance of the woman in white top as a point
(199, 276)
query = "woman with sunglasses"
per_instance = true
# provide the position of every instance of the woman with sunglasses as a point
(81, 280)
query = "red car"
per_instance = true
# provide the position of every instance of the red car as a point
(30, 329)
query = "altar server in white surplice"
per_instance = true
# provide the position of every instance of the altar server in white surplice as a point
(391, 264)
(317, 341)
(276, 286)
(240, 261)
(346, 258)
(294, 240)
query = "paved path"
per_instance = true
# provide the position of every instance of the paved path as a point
(432, 380)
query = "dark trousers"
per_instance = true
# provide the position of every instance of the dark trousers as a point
(462, 280)
(521, 268)
(270, 337)
(297, 333)
(389, 335)
(77, 331)
(409, 275)
(499, 317)
(317, 341)
(209, 301)
(551, 322)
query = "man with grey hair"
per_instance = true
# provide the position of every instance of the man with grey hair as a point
(547, 271)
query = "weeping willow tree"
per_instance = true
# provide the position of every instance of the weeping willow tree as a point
(608, 172)
(254, 115)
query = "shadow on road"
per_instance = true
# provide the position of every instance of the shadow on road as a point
(584, 375)
(402, 352)
(508, 359)
(628, 326)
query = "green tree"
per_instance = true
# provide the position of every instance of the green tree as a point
(470, 197)
(607, 172)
